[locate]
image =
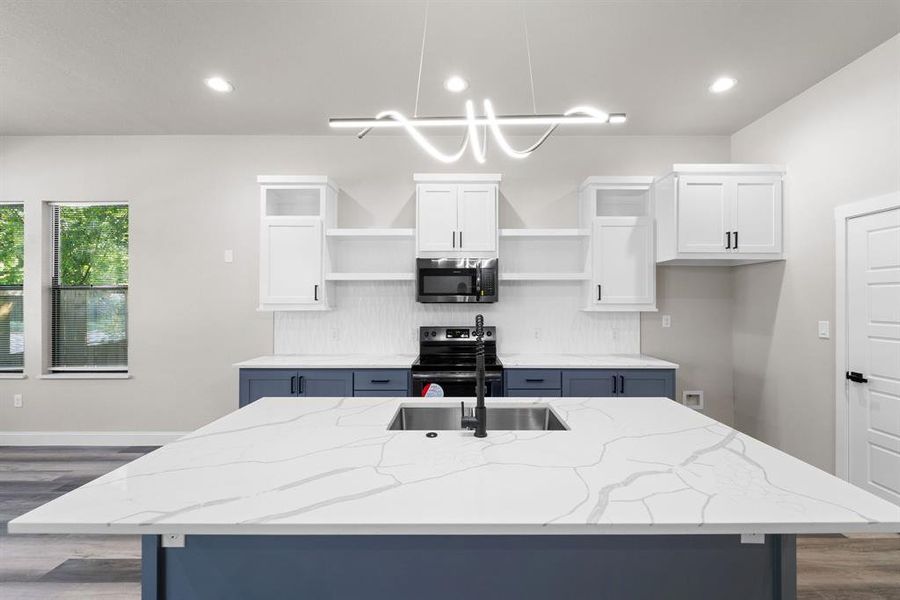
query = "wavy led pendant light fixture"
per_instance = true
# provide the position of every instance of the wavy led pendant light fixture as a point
(489, 121)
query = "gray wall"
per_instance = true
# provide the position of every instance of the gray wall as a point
(191, 197)
(840, 141)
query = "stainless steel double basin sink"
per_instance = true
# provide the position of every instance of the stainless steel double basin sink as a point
(499, 418)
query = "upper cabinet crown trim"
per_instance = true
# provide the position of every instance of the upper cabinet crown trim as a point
(457, 177)
(296, 179)
(617, 182)
(724, 168)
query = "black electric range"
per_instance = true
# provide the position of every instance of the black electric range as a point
(447, 360)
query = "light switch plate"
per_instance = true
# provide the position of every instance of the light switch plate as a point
(667, 320)
(824, 330)
(229, 256)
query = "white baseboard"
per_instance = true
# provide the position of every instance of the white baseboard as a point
(88, 438)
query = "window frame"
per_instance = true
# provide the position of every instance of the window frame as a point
(55, 288)
(16, 371)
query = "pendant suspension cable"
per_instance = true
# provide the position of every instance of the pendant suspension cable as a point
(528, 52)
(421, 61)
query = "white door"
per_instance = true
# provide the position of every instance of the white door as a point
(873, 320)
(291, 261)
(702, 213)
(436, 217)
(477, 217)
(623, 261)
(756, 214)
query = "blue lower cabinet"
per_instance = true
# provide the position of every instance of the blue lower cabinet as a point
(526, 393)
(394, 381)
(644, 383)
(588, 383)
(259, 383)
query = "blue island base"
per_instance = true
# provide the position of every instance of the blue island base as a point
(449, 567)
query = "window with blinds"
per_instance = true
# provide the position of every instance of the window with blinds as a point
(12, 276)
(89, 291)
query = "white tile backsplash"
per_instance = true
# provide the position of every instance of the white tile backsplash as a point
(383, 317)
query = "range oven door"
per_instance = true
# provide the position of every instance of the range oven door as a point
(458, 385)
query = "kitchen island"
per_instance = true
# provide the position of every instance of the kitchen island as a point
(318, 498)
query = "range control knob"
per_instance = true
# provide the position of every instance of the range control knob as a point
(425, 334)
(434, 334)
(489, 334)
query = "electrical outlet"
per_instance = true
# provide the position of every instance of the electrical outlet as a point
(229, 256)
(667, 320)
(692, 399)
(824, 327)
(537, 333)
(17, 400)
(335, 334)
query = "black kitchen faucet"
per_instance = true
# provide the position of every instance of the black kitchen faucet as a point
(478, 422)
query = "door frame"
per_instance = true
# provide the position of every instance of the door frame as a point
(842, 215)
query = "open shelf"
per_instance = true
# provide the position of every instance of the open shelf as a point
(545, 233)
(387, 232)
(370, 277)
(544, 276)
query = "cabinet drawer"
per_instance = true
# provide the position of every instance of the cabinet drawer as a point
(381, 379)
(534, 379)
(533, 393)
(381, 393)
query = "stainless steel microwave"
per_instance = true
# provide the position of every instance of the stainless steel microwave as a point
(452, 280)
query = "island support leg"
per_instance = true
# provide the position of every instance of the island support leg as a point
(449, 567)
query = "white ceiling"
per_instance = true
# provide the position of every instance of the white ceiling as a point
(136, 67)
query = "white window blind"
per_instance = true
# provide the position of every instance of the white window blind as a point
(12, 262)
(89, 293)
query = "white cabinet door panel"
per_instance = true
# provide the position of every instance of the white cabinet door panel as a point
(437, 217)
(291, 261)
(623, 261)
(702, 214)
(756, 214)
(477, 217)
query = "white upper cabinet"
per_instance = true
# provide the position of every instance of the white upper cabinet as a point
(623, 263)
(294, 210)
(437, 215)
(456, 214)
(727, 214)
(622, 257)
(291, 261)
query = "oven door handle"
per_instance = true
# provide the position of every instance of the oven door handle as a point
(478, 293)
(456, 376)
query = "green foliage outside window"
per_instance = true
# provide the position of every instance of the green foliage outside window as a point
(93, 245)
(12, 244)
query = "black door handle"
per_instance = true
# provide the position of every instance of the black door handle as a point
(614, 385)
(454, 239)
(621, 384)
(379, 381)
(728, 238)
(536, 380)
(300, 385)
(460, 239)
(293, 384)
(316, 293)
(735, 240)
(856, 377)
(599, 293)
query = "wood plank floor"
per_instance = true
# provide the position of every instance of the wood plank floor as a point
(108, 567)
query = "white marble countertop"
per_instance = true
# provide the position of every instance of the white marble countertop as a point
(329, 361)
(584, 361)
(404, 361)
(330, 466)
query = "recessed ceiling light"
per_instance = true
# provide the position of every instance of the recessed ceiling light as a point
(455, 84)
(617, 118)
(722, 84)
(219, 84)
